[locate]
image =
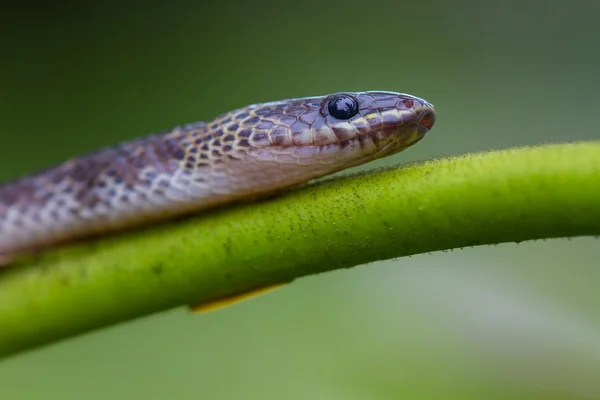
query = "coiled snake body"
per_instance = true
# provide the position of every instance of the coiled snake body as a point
(250, 152)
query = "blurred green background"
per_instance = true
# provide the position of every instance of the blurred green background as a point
(500, 322)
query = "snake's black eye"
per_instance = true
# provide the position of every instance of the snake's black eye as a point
(342, 107)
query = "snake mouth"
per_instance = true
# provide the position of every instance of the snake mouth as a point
(391, 141)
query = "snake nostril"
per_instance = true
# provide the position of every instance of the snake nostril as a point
(427, 119)
(408, 103)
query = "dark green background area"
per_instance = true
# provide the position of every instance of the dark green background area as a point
(503, 322)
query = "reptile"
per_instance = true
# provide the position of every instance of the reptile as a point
(249, 153)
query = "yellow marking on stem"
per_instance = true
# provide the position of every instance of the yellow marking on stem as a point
(227, 301)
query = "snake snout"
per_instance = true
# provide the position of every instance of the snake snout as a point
(427, 118)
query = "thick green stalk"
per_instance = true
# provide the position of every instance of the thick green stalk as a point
(504, 196)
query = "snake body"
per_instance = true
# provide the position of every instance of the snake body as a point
(247, 153)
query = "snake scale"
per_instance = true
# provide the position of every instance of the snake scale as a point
(247, 153)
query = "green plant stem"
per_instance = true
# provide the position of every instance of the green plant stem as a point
(505, 196)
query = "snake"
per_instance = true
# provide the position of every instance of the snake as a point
(249, 153)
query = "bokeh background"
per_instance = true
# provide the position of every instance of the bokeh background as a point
(497, 322)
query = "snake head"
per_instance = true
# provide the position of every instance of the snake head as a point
(350, 125)
(265, 147)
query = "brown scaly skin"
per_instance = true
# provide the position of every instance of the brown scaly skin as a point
(247, 153)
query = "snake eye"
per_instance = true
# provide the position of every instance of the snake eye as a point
(342, 107)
